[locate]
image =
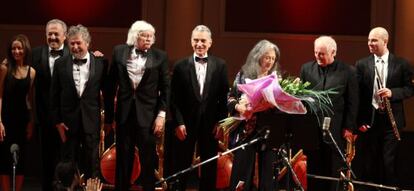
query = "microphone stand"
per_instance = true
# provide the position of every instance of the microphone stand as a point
(355, 182)
(192, 167)
(340, 152)
(14, 175)
(282, 152)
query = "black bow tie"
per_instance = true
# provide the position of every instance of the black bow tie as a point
(79, 61)
(201, 60)
(143, 53)
(55, 53)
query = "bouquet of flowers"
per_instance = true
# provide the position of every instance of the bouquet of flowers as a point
(287, 95)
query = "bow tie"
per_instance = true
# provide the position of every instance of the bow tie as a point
(79, 61)
(201, 60)
(143, 53)
(55, 53)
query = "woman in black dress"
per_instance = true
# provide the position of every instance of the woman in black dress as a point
(16, 124)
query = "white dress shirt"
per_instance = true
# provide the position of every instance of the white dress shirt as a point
(81, 74)
(201, 71)
(52, 60)
(136, 67)
(381, 71)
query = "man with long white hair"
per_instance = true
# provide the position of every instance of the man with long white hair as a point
(139, 77)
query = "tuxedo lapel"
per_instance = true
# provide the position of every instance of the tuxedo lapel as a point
(149, 63)
(193, 77)
(92, 67)
(391, 68)
(125, 57)
(371, 69)
(92, 72)
(69, 72)
(45, 63)
(211, 67)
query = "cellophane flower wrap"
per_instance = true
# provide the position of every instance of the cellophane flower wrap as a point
(287, 95)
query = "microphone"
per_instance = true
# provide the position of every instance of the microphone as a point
(266, 135)
(14, 149)
(326, 124)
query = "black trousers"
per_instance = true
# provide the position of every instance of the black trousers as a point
(50, 154)
(129, 136)
(183, 157)
(82, 149)
(376, 149)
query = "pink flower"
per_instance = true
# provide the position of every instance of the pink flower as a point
(265, 93)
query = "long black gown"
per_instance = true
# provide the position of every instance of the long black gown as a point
(15, 117)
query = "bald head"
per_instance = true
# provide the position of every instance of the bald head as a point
(378, 41)
(380, 31)
(325, 50)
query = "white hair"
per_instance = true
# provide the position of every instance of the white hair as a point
(202, 28)
(328, 42)
(136, 28)
(58, 21)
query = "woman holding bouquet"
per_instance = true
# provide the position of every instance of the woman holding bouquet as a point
(261, 61)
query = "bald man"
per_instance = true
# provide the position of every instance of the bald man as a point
(327, 72)
(376, 151)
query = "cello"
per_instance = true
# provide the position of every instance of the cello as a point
(108, 164)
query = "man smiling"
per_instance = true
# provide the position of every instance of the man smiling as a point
(77, 81)
(199, 99)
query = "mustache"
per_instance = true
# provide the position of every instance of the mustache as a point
(53, 40)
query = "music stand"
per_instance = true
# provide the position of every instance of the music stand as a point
(291, 131)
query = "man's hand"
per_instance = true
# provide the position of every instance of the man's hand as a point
(384, 93)
(181, 132)
(61, 127)
(98, 53)
(159, 126)
(347, 134)
(2, 132)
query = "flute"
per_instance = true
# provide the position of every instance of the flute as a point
(385, 104)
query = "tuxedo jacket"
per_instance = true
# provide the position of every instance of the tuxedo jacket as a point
(399, 81)
(67, 106)
(191, 109)
(340, 77)
(43, 81)
(149, 97)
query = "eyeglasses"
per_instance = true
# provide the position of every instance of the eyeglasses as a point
(146, 35)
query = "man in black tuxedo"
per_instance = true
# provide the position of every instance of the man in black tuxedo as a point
(324, 73)
(77, 81)
(377, 147)
(139, 78)
(44, 58)
(199, 90)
